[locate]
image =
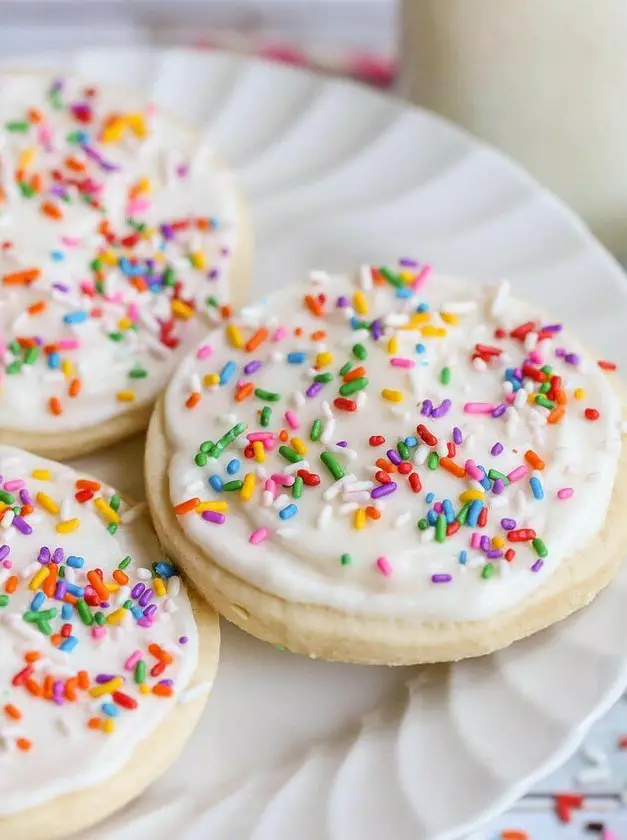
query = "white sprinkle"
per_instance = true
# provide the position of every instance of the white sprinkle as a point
(365, 278)
(324, 516)
(402, 519)
(143, 573)
(174, 586)
(348, 507)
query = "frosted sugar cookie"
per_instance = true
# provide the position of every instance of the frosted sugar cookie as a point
(121, 235)
(104, 666)
(388, 468)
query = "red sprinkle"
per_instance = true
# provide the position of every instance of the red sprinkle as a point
(415, 483)
(606, 365)
(345, 405)
(521, 535)
(591, 414)
(565, 804)
(382, 477)
(425, 435)
(376, 440)
(405, 468)
(482, 520)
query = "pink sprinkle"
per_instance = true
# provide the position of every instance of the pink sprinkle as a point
(473, 470)
(478, 408)
(283, 479)
(269, 445)
(133, 659)
(509, 398)
(437, 507)
(398, 361)
(536, 357)
(98, 632)
(71, 241)
(88, 288)
(44, 136)
(253, 436)
(292, 419)
(258, 536)
(14, 484)
(383, 564)
(608, 834)
(279, 334)
(422, 277)
(69, 344)
(475, 540)
(518, 473)
(565, 493)
(204, 351)
(140, 205)
(133, 312)
(270, 486)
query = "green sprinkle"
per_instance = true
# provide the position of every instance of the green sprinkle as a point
(31, 355)
(269, 396)
(316, 429)
(128, 604)
(138, 373)
(236, 484)
(112, 527)
(423, 524)
(7, 498)
(140, 672)
(332, 465)
(15, 348)
(323, 377)
(227, 439)
(169, 278)
(26, 189)
(14, 367)
(433, 461)
(84, 612)
(545, 388)
(100, 618)
(353, 386)
(494, 474)
(116, 336)
(543, 401)
(45, 628)
(445, 376)
(346, 559)
(212, 301)
(126, 562)
(206, 446)
(18, 126)
(463, 514)
(487, 571)
(360, 352)
(290, 454)
(403, 450)
(4, 600)
(345, 368)
(297, 488)
(440, 528)
(547, 369)
(539, 547)
(264, 418)
(35, 617)
(391, 277)
(73, 136)
(200, 459)
(114, 502)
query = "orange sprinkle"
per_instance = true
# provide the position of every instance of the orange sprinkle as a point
(26, 509)
(48, 208)
(74, 388)
(33, 687)
(372, 512)
(377, 278)
(75, 165)
(556, 415)
(140, 284)
(193, 399)
(56, 639)
(87, 484)
(70, 599)
(162, 690)
(35, 115)
(32, 656)
(11, 585)
(319, 335)
(50, 582)
(203, 224)
(12, 711)
(94, 723)
(83, 680)
(245, 391)
(36, 308)
(187, 506)
(160, 654)
(514, 834)
(258, 338)
(22, 278)
(450, 466)
(385, 465)
(534, 460)
(120, 577)
(98, 584)
(560, 397)
(71, 689)
(48, 686)
(23, 744)
(55, 406)
(283, 435)
(36, 182)
(226, 311)
(314, 306)
(356, 373)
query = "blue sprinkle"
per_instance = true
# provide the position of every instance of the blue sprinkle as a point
(420, 348)
(110, 709)
(66, 612)
(233, 466)
(37, 601)
(215, 482)
(429, 498)
(449, 511)
(423, 307)
(288, 512)
(227, 372)
(356, 323)
(463, 557)
(129, 269)
(164, 570)
(75, 317)
(296, 358)
(485, 481)
(68, 644)
(137, 612)
(473, 512)
(83, 136)
(75, 562)
(536, 487)
(404, 292)
(411, 441)
(57, 256)
(432, 517)
(73, 589)
(54, 360)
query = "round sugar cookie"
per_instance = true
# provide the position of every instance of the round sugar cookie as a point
(121, 236)
(389, 467)
(105, 664)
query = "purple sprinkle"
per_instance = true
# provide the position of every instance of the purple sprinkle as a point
(105, 605)
(314, 389)
(104, 678)
(499, 410)
(342, 443)
(58, 688)
(497, 448)
(376, 329)
(572, 359)
(458, 438)
(394, 457)
(150, 610)
(145, 597)
(58, 556)
(484, 543)
(498, 486)
(494, 554)
(383, 490)
(508, 524)
(552, 328)
(253, 366)
(60, 590)
(182, 170)
(167, 231)
(560, 352)
(442, 409)
(214, 273)
(537, 565)
(145, 622)
(437, 507)
(518, 373)
(137, 590)
(183, 640)
(4, 551)
(342, 302)
(441, 578)
(427, 407)
(225, 251)
(44, 555)
(167, 682)
(25, 497)
(407, 261)
(98, 158)
(22, 525)
(58, 190)
(212, 516)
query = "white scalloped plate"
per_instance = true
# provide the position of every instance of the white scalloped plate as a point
(289, 748)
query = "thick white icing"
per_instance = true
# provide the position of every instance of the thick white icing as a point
(186, 183)
(65, 753)
(300, 559)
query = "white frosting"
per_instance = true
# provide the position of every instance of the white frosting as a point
(65, 754)
(185, 184)
(392, 562)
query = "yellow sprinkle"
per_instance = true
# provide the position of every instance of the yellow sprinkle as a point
(216, 507)
(359, 519)
(393, 345)
(498, 542)
(67, 368)
(143, 185)
(27, 157)
(47, 503)
(406, 276)
(108, 257)
(324, 359)
(144, 689)
(108, 726)
(531, 398)
(235, 336)
(38, 578)
(112, 586)
(417, 320)
(471, 495)
(159, 587)
(449, 318)
(68, 526)
(106, 688)
(125, 396)
(392, 396)
(181, 310)
(248, 487)
(159, 257)
(125, 324)
(116, 617)
(41, 475)
(106, 511)
(360, 303)
(198, 260)
(299, 445)
(137, 124)
(433, 332)
(579, 393)
(113, 131)
(259, 451)
(211, 379)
